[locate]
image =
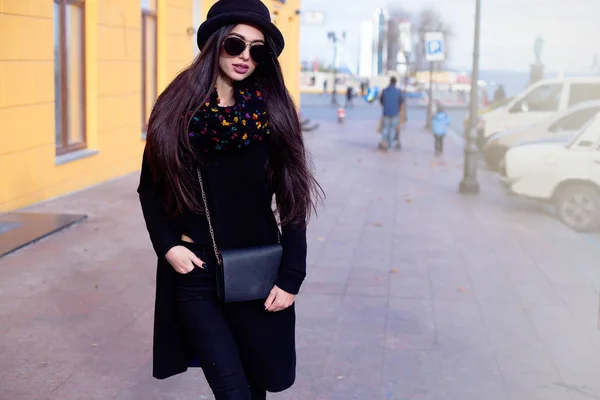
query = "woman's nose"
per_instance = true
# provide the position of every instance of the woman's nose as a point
(246, 54)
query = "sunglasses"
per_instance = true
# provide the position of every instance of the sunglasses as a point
(234, 46)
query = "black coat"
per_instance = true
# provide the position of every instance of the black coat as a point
(240, 199)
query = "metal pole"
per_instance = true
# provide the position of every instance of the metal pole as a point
(334, 89)
(430, 105)
(406, 74)
(469, 183)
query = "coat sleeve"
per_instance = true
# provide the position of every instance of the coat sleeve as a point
(164, 232)
(293, 266)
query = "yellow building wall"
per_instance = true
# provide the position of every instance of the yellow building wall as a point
(28, 169)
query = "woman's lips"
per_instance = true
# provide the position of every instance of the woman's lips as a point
(241, 68)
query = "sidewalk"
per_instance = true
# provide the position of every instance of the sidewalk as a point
(413, 291)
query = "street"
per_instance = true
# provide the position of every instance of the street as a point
(414, 292)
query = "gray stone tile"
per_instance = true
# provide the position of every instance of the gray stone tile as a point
(410, 325)
(515, 340)
(465, 350)
(449, 281)
(490, 283)
(576, 357)
(537, 293)
(409, 283)
(411, 374)
(536, 386)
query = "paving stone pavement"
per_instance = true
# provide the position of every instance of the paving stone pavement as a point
(413, 291)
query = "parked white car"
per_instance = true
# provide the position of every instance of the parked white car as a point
(537, 103)
(562, 127)
(565, 174)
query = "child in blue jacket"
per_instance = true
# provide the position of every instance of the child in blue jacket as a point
(439, 125)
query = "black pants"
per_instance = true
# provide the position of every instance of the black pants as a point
(244, 350)
(439, 144)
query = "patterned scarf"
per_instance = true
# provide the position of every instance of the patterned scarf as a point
(216, 128)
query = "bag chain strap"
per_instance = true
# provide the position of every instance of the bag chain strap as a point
(207, 212)
(210, 226)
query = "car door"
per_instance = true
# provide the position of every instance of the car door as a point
(582, 160)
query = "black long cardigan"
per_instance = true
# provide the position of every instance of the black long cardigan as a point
(240, 199)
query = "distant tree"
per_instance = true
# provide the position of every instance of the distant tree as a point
(429, 20)
(397, 14)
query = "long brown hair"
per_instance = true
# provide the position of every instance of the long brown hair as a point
(171, 156)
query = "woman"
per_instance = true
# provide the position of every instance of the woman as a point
(230, 116)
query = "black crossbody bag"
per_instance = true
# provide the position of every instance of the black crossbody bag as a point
(247, 273)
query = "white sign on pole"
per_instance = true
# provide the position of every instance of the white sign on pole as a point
(434, 46)
(313, 18)
(405, 36)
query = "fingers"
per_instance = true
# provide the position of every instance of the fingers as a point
(280, 305)
(278, 300)
(197, 261)
(270, 299)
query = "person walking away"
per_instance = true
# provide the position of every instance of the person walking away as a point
(224, 140)
(499, 94)
(324, 88)
(391, 100)
(439, 126)
(349, 97)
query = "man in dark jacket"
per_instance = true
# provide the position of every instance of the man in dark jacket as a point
(391, 100)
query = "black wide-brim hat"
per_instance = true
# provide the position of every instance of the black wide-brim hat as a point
(232, 12)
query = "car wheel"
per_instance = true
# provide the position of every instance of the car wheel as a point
(579, 207)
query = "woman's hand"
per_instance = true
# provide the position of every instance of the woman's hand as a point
(183, 260)
(279, 300)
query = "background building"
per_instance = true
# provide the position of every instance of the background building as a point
(366, 49)
(380, 33)
(78, 79)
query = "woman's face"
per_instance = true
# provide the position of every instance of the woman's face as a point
(237, 65)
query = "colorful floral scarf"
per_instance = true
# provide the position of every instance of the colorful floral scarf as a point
(224, 128)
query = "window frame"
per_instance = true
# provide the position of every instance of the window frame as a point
(148, 14)
(63, 55)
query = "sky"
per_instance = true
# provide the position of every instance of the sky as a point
(570, 28)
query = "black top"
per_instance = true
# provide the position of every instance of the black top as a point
(240, 200)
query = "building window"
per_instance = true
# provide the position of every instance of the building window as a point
(149, 60)
(69, 75)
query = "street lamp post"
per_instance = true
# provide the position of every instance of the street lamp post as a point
(333, 37)
(469, 184)
(430, 95)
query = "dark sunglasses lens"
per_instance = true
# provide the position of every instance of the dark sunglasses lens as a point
(234, 46)
(259, 53)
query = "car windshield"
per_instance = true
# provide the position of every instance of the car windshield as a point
(594, 121)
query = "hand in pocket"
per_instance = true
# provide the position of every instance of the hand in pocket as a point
(183, 260)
